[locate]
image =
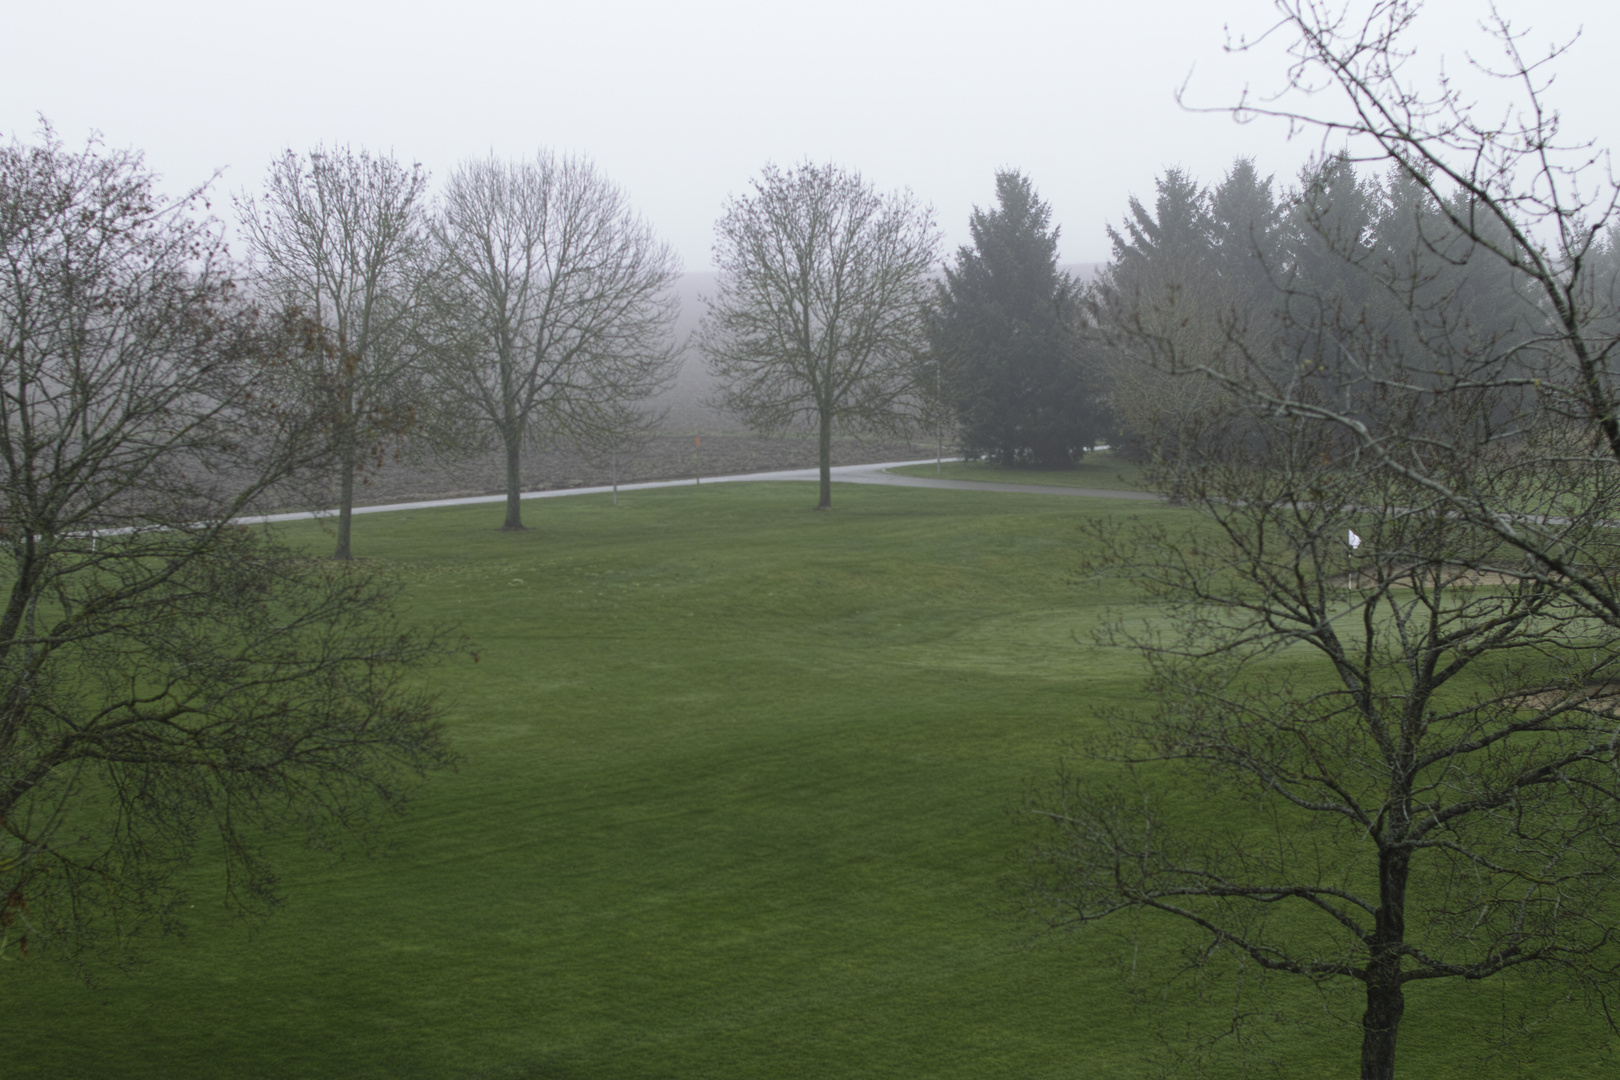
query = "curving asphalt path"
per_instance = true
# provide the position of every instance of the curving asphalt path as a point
(845, 474)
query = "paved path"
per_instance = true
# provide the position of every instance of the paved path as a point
(875, 474)
(844, 474)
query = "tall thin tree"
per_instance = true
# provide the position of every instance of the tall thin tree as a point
(337, 236)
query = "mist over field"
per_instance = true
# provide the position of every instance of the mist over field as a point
(690, 400)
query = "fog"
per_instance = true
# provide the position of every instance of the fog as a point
(688, 402)
(682, 104)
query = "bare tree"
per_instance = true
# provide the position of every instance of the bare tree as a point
(165, 673)
(339, 238)
(1386, 650)
(818, 316)
(1401, 754)
(555, 307)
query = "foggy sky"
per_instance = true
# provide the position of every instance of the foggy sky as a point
(682, 104)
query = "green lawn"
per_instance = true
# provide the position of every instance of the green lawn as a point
(734, 804)
(1100, 469)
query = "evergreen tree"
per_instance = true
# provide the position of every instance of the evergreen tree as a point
(1441, 287)
(1331, 235)
(1172, 243)
(1160, 287)
(1245, 234)
(1003, 326)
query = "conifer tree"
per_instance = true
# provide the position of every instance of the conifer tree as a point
(1004, 326)
(1245, 232)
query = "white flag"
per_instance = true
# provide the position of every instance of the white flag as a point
(1355, 541)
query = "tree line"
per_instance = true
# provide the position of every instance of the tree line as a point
(527, 304)
(1290, 268)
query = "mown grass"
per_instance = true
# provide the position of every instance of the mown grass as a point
(1100, 469)
(734, 803)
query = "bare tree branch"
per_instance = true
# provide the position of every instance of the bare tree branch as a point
(555, 309)
(165, 674)
(818, 318)
(339, 240)
(1385, 651)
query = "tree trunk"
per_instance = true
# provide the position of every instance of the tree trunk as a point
(514, 483)
(1386, 1000)
(1380, 1025)
(826, 461)
(346, 464)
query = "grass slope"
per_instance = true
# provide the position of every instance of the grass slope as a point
(734, 804)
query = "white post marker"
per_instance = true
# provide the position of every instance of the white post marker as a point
(1355, 543)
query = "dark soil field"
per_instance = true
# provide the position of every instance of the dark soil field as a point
(660, 457)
